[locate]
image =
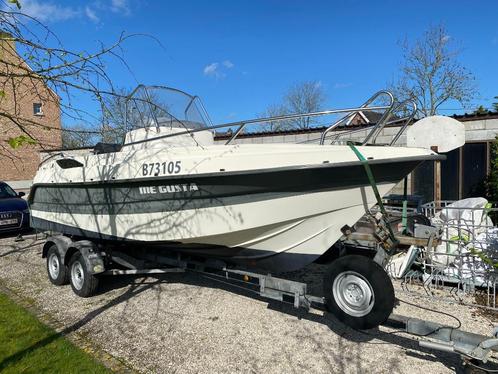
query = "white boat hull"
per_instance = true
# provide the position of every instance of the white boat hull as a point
(247, 225)
(277, 218)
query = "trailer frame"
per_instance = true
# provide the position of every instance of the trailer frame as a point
(469, 346)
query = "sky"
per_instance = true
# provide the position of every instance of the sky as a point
(242, 56)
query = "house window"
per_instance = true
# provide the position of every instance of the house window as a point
(37, 109)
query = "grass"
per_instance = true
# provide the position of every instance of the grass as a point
(28, 346)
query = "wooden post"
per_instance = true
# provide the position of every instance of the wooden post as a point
(437, 181)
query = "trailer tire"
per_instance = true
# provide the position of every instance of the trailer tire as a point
(83, 283)
(58, 273)
(358, 292)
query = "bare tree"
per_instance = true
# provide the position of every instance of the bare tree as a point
(78, 136)
(114, 113)
(121, 113)
(304, 97)
(431, 73)
(275, 111)
(33, 59)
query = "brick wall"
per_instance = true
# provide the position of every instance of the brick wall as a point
(20, 93)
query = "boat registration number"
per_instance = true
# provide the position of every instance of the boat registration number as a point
(161, 168)
(8, 222)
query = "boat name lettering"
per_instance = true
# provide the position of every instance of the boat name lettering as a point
(161, 168)
(172, 188)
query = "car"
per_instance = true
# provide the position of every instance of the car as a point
(14, 211)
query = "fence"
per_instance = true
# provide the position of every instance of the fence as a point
(464, 267)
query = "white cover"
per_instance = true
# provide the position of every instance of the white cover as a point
(443, 132)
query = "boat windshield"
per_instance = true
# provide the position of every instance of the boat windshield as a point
(149, 106)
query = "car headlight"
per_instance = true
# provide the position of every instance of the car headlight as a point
(25, 211)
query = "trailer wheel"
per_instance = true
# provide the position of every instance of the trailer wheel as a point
(83, 283)
(358, 292)
(58, 273)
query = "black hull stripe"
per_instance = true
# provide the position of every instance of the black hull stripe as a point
(128, 197)
(166, 206)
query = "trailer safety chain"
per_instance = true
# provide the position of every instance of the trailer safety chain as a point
(373, 184)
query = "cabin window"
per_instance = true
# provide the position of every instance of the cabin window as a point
(37, 109)
(68, 163)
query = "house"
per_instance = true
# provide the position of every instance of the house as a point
(364, 118)
(27, 107)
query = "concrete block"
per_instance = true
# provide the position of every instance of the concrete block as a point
(277, 139)
(313, 139)
(20, 185)
(477, 135)
(290, 138)
(390, 131)
(491, 124)
(491, 134)
(265, 140)
(474, 125)
(384, 139)
(301, 138)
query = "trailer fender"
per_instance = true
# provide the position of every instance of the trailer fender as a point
(61, 242)
(66, 247)
(91, 255)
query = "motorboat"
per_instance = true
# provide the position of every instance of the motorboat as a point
(171, 186)
(171, 199)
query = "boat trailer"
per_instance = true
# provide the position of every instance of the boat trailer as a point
(470, 346)
(435, 336)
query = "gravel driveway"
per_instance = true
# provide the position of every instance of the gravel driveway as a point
(187, 323)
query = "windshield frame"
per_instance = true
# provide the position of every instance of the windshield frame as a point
(193, 101)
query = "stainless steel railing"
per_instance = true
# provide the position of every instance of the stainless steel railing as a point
(387, 110)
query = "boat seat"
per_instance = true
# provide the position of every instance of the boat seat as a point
(106, 148)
